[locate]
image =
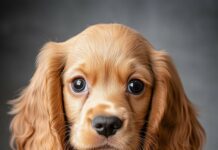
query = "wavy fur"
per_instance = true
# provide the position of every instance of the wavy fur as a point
(172, 124)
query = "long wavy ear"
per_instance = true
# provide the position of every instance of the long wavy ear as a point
(38, 116)
(172, 123)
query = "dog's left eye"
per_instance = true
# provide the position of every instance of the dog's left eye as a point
(78, 85)
(135, 86)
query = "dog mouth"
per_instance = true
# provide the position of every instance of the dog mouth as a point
(104, 147)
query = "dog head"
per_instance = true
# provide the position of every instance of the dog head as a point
(105, 88)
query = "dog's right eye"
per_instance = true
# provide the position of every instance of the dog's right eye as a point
(79, 85)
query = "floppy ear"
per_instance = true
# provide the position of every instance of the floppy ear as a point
(173, 123)
(38, 122)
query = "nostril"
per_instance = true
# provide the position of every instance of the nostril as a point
(98, 126)
(116, 123)
(106, 126)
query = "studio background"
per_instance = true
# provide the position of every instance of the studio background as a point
(187, 30)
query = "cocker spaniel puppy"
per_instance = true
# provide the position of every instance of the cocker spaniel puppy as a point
(106, 88)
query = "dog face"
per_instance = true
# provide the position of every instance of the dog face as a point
(107, 87)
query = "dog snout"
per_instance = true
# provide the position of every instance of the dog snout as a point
(106, 125)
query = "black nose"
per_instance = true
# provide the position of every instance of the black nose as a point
(106, 126)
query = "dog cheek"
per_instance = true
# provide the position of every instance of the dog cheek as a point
(82, 135)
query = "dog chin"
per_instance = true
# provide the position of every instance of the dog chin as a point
(104, 147)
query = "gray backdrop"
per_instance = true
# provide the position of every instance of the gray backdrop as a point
(187, 29)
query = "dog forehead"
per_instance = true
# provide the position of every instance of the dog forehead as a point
(108, 42)
(108, 49)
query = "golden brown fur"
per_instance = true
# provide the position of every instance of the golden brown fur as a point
(48, 115)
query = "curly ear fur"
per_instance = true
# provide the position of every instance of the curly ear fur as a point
(37, 123)
(172, 123)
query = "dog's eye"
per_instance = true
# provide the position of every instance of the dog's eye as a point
(78, 85)
(135, 86)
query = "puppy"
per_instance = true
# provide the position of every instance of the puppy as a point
(105, 88)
